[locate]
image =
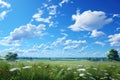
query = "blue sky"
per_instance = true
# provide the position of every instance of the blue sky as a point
(59, 28)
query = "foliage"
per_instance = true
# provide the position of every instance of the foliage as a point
(11, 56)
(113, 55)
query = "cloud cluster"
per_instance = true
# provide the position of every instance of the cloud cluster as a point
(89, 20)
(23, 32)
(50, 11)
(114, 39)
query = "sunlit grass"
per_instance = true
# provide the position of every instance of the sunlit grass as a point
(59, 70)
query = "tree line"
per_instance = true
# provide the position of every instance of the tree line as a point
(111, 55)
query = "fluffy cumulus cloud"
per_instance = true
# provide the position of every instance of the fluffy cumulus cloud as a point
(114, 39)
(23, 32)
(96, 33)
(100, 43)
(89, 20)
(5, 9)
(62, 2)
(27, 31)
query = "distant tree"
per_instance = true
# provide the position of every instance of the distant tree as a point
(11, 56)
(113, 55)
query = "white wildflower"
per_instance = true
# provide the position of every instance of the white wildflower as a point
(14, 69)
(27, 67)
(81, 69)
(69, 68)
(82, 75)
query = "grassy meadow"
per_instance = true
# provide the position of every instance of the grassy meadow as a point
(59, 70)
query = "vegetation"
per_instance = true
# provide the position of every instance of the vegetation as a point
(113, 55)
(59, 70)
(11, 56)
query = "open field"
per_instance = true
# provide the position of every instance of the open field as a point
(59, 70)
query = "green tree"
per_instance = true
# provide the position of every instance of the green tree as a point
(11, 56)
(113, 55)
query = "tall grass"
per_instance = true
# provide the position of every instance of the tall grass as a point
(59, 70)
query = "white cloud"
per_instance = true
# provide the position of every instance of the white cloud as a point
(62, 2)
(39, 46)
(7, 42)
(3, 14)
(45, 5)
(96, 33)
(59, 41)
(4, 4)
(116, 15)
(23, 32)
(71, 47)
(73, 44)
(52, 9)
(114, 39)
(68, 42)
(100, 43)
(38, 17)
(27, 31)
(89, 20)
(83, 49)
(118, 29)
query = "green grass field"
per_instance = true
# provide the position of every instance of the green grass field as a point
(59, 70)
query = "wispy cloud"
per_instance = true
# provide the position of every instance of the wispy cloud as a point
(5, 9)
(73, 44)
(4, 4)
(3, 14)
(62, 2)
(52, 9)
(38, 17)
(59, 41)
(116, 15)
(89, 20)
(100, 43)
